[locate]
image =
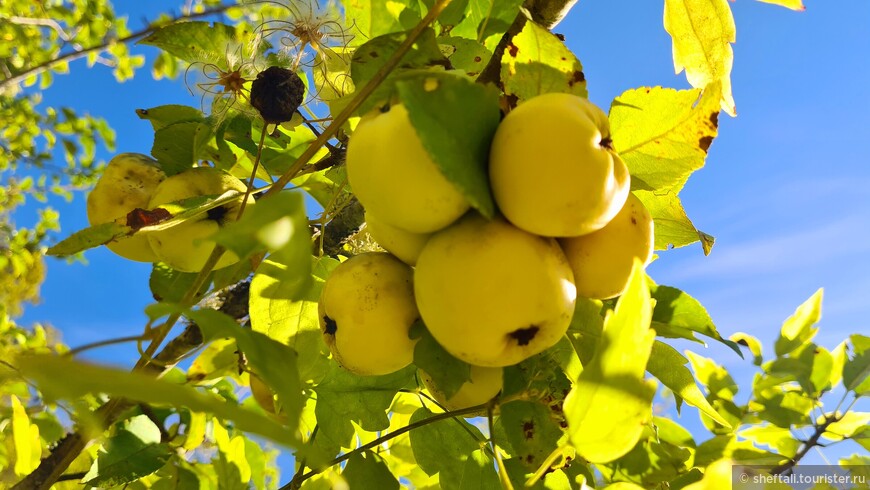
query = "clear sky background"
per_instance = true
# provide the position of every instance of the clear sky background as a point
(785, 191)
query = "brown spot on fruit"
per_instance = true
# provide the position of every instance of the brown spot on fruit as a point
(217, 214)
(329, 326)
(524, 336)
(606, 143)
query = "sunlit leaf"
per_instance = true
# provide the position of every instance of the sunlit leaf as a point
(663, 134)
(531, 430)
(133, 452)
(25, 439)
(275, 311)
(669, 367)
(373, 18)
(201, 42)
(465, 54)
(751, 343)
(856, 370)
(810, 365)
(780, 439)
(481, 20)
(610, 402)
(717, 476)
(179, 145)
(537, 62)
(89, 238)
(704, 52)
(231, 463)
(741, 451)
(219, 358)
(679, 315)
(196, 427)
(165, 115)
(170, 285)
(51, 374)
(789, 4)
(798, 329)
(673, 228)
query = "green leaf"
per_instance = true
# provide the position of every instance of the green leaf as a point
(751, 343)
(783, 409)
(371, 56)
(375, 18)
(178, 146)
(742, 452)
(231, 464)
(669, 367)
(850, 423)
(51, 373)
(652, 462)
(856, 370)
(275, 363)
(220, 358)
(446, 447)
(196, 42)
(166, 115)
(610, 402)
(531, 430)
(91, 237)
(705, 53)
(277, 224)
(678, 315)
(170, 285)
(447, 372)
(810, 365)
(673, 228)
(798, 329)
(717, 475)
(780, 439)
(277, 311)
(455, 119)
(481, 20)
(368, 470)
(133, 452)
(716, 378)
(663, 134)
(536, 62)
(586, 327)
(344, 397)
(25, 440)
(465, 54)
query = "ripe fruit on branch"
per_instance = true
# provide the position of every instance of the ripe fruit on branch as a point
(484, 385)
(127, 183)
(403, 244)
(185, 247)
(492, 294)
(366, 311)
(602, 260)
(552, 167)
(393, 176)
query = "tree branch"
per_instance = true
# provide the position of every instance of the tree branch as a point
(810, 443)
(80, 53)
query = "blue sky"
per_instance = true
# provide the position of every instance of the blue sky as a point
(785, 191)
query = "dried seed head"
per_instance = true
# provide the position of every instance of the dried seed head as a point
(277, 93)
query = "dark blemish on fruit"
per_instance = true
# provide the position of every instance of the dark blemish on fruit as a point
(513, 49)
(633, 221)
(139, 217)
(705, 143)
(528, 429)
(564, 58)
(217, 214)
(330, 326)
(524, 335)
(606, 143)
(477, 59)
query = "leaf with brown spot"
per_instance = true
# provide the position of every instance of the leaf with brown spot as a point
(537, 62)
(663, 134)
(139, 217)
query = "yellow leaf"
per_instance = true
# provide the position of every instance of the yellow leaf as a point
(702, 32)
(789, 4)
(26, 439)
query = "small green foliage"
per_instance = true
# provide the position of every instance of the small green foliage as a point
(133, 452)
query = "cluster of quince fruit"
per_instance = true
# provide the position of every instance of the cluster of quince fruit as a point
(492, 292)
(132, 182)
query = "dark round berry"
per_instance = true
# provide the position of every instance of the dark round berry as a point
(277, 93)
